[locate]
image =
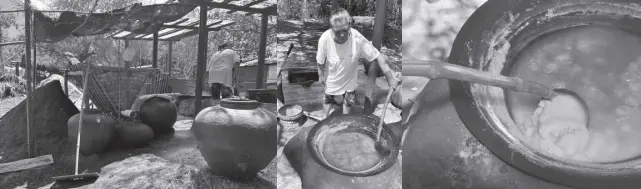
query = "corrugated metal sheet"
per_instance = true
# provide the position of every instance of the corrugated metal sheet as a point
(140, 21)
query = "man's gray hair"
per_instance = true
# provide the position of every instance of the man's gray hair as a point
(339, 14)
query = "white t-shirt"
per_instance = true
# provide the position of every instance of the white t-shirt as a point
(342, 70)
(220, 66)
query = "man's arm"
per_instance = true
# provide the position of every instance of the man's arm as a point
(382, 63)
(321, 58)
(321, 73)
(236, 69)
(371, 54)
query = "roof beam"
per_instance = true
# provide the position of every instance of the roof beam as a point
(11, 43)
(248, 5)
(191, 27)
(143, 39)
(271, 10)
(193, 32)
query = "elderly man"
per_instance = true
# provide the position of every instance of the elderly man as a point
(222, 66)
(339, 50)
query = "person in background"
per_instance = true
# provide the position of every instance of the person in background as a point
(339, 50)
(222, 66)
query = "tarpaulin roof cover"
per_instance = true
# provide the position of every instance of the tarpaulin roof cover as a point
(135, 18)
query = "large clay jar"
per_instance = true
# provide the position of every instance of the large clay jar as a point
(97, 131)
(236, 138)
(133, 134)
(158, 113)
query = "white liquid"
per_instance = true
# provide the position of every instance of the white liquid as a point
(600, 64)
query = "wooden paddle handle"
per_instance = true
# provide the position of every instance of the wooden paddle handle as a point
(382, 121)
(442, 70)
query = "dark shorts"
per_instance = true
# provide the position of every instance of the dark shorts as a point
(219, 90)
(349, 99)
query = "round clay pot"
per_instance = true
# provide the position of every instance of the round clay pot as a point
(97, 131)
(158, 113)
(236, 138)
(133, 134)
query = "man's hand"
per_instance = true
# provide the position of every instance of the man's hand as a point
(393, 79)
(322, 79)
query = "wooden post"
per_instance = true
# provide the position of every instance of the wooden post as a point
(127, 66)
(1, 58)
(379, 24)
(373, 70)
(262, 48)
(377, 38)
(170, 58)
(18, 66)
(27, 28)
(334, 5)
(202, 54)
(66, 76)
(35, 54)
(154, 58)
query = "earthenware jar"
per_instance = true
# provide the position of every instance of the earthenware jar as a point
(133, 133)
(237, 138)
(158, 112)
(97, 131)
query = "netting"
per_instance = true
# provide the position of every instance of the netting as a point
(114, 89)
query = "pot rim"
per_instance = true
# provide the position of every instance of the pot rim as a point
(371, 128)
(239, 103)
(285, 117)
(482, 121)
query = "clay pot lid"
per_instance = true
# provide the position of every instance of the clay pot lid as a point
(239, 103)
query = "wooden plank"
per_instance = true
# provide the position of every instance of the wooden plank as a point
(177, 21)
(188, 33)
(297, 94)
(211, 23)
(11, 43)
(49, 11)
(267, 10)
(26, 164)
(114, 69)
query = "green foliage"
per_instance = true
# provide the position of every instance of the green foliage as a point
(7, 20)
(321, 9)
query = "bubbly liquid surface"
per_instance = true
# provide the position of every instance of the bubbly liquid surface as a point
(351, 151)
(601, 64)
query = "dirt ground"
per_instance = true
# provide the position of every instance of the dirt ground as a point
(177, 148)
